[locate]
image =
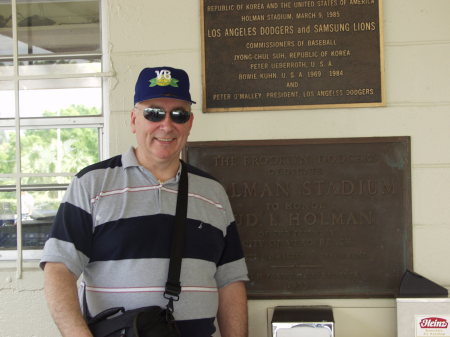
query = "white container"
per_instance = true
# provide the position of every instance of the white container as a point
(421, 317)
(302, 321)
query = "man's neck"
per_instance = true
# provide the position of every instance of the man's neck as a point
(163, 170)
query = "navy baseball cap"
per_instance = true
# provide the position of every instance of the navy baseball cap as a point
(162, 82)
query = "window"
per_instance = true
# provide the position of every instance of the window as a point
(52, 118)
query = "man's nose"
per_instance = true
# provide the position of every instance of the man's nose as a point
(167, 121)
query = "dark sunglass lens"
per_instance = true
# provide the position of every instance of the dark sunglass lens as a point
(154, 114)
(180, 116)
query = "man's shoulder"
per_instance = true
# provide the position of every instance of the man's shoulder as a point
(206, 184)
(112, 162)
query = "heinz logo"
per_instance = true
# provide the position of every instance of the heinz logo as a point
(433, 322)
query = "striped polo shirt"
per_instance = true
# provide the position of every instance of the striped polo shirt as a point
(115, 225)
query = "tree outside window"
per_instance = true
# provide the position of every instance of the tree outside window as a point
(52, 78)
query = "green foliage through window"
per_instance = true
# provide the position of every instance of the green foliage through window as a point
(52, 150)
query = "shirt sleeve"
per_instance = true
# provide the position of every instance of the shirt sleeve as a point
(71, 235)
(232, 266)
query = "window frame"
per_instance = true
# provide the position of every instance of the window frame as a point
(17, 123)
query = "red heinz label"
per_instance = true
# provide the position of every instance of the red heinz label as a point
(433, 322)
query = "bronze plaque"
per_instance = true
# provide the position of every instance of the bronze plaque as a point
(266, 55)
(317, 218)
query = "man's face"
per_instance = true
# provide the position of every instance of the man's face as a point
(160, 142)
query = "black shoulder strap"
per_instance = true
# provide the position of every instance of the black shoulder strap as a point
(173, 286)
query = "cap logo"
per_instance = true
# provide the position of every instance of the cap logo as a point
(163, 78)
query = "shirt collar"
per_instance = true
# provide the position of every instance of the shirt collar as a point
(129, 160)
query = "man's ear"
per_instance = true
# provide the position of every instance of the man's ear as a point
(133, 120)
(191, 120)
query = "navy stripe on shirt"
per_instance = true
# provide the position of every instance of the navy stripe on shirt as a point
(74, 225)
(234, 250)
(197, 327)
(143, 237)
(151, 237)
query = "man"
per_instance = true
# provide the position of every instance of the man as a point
(114, 227)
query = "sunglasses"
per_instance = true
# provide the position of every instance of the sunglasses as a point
(179, 116)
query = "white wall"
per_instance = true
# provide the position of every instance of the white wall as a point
(417, 77)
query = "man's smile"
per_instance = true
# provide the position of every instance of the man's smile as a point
(165, 140)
